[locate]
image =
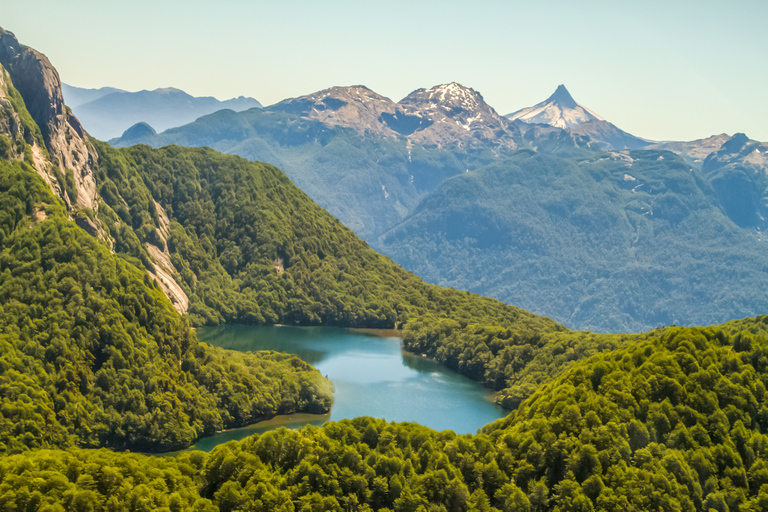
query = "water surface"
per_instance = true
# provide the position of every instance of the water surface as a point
(372, 376)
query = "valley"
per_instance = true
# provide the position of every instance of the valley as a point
(151, 297)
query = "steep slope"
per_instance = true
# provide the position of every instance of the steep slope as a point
(93, 353)
(561, 111)
(615, 242)
(108, 116)
(738, 172)
(36, 119)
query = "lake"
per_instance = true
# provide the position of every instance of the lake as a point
(372, 376)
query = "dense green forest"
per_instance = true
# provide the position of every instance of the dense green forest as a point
(94, 354)
(671, 423)
(612, 242)
(231, 220)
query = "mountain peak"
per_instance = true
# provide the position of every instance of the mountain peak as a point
(356, 107)
(455, 113)
(559, 110)
(562, 97)
(452, 95)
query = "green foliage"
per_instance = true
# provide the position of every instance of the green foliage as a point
(29, 130)
(507, 358)
(233, 221)
(613, 242)
(369, 182)
(672, 422)
(6, 148)
(94, 354)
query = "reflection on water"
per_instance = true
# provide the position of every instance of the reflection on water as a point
(372, 377)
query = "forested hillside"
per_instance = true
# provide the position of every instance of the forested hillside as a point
(612, 242)
(95, 355)
(672, 423)
(249, 246)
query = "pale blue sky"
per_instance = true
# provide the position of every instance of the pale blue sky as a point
(659, 69)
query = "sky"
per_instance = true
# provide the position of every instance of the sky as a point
(663, 70)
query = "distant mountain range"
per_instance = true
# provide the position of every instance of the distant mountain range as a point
(552, 207)
(107, 112)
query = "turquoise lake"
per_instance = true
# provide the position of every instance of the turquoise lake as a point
(372, 376)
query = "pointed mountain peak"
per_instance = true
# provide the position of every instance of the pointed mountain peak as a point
(562, 97)
(559, 110)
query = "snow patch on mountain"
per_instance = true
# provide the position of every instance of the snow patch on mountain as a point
(559, 110)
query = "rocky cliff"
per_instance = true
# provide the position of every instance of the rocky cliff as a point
(71, 156)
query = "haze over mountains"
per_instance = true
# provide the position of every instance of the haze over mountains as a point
(107, 112)
(448, 188)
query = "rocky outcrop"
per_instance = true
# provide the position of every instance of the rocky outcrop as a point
(68, 147)
(164, 269)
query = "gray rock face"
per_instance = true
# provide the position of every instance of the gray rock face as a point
(37, 81)
(355, 107)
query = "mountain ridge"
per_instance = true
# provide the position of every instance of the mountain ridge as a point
(109, 115)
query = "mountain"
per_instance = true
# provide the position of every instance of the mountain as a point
(458, 211)
(103, 250)
(355, 107)
(76, 96)
(561, 111)
(364, 158)
(93, 353)
(457, 115)
(620, 241)
(695, 151)
(109, 115)
(738, 172)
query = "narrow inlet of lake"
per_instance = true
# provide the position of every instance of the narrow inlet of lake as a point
(372, 376)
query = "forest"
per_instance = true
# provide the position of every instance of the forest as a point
(95, 355)
(671, 423)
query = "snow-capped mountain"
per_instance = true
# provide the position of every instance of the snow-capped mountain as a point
(448, 114)
(457, 114)
(559, 110)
